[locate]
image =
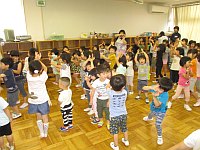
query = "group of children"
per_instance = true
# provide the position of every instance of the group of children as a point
(106, 77)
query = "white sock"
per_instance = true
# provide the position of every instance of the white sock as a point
(40, 127)
(46, 127)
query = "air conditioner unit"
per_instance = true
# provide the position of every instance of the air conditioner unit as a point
(159, 9)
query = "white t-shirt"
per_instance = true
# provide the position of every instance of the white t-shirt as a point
(160, 39)
(65, 71)
(37, 88)
(129, 70)
(25, 69)
(101, 89)
(121, 69)
(193, 140)
(175, 63)
(65, 97)
(4, 120)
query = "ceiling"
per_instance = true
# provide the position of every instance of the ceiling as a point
(170, 2)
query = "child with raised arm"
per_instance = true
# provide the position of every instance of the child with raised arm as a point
(117, 108)
(39, 102)
(142, 62)
(5, 127)
(66, 104)
(158, 105)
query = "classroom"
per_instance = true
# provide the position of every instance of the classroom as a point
(100, 75)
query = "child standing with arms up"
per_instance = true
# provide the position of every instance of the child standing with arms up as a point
(5, 127)
(39, 102)
(66, 104)
(99, 86)
(159, 104)
(183, 82)
(129, 72)
(142, 62)
(117, 108)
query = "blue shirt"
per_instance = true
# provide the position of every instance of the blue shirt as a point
(163, 98)
(117, 103)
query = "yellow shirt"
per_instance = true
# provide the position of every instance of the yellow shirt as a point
(112, 58)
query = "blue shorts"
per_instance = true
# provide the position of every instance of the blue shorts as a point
(12, 98)
(43, 108)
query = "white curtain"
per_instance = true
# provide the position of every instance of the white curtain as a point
(188, 19)
(12, 17)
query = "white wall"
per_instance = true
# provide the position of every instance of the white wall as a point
(73, 17)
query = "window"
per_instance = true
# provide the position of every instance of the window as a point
(12, 17)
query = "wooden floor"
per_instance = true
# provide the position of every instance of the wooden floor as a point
(178, 123)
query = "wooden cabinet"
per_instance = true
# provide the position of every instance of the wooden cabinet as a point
(23, 48)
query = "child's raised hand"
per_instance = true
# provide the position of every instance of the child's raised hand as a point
(112, 43)
(38, 56)
(156, 94)
(49, 102)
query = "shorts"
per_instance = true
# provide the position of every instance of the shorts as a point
(192, 83)
(43, 108)
(20, 85)
(12, 98)
(129, 80)
(141, 84)
(118, 122)
(165, 61)
(5, 130)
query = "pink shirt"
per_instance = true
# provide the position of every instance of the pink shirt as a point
(183, 81)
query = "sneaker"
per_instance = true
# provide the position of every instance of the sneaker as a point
(126, 142)
(18, 102)
(187, 107)
(10, 147)
(130, 93)
(95, 121)
(100, 124)
(87, 109)
(78, 85)
(169, 104)
(108, 126)
(23, 105)
(112, 145)
(147, 119)
(15, 116)
(91, 112)
(160, 140)
(137, 97)
(147, 101)
(181, 96)
(197, 104)
(63, 129)
(70, 126)
(93, 117)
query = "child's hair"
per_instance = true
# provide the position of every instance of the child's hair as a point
(130, 54)
(14, 53)
(141, 56)
(76, 52)
(32, 54)
(97, 47)
(117, 82)
(94, 72)
(198, 57)
(123, 60)
(102, 69)
(166, 84)
(87, 53)
(184, 60)
(65, 47)
(181, 50)
(176, 27)
(113, 47)
(162, 33)
(192, 42)
(186, 40)
(8, 61)
(96, 62)
(194, 52)
(65, 81)
(66, 57)
(35, 67)
(55, 51)
(198, 45)
(122, 31)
